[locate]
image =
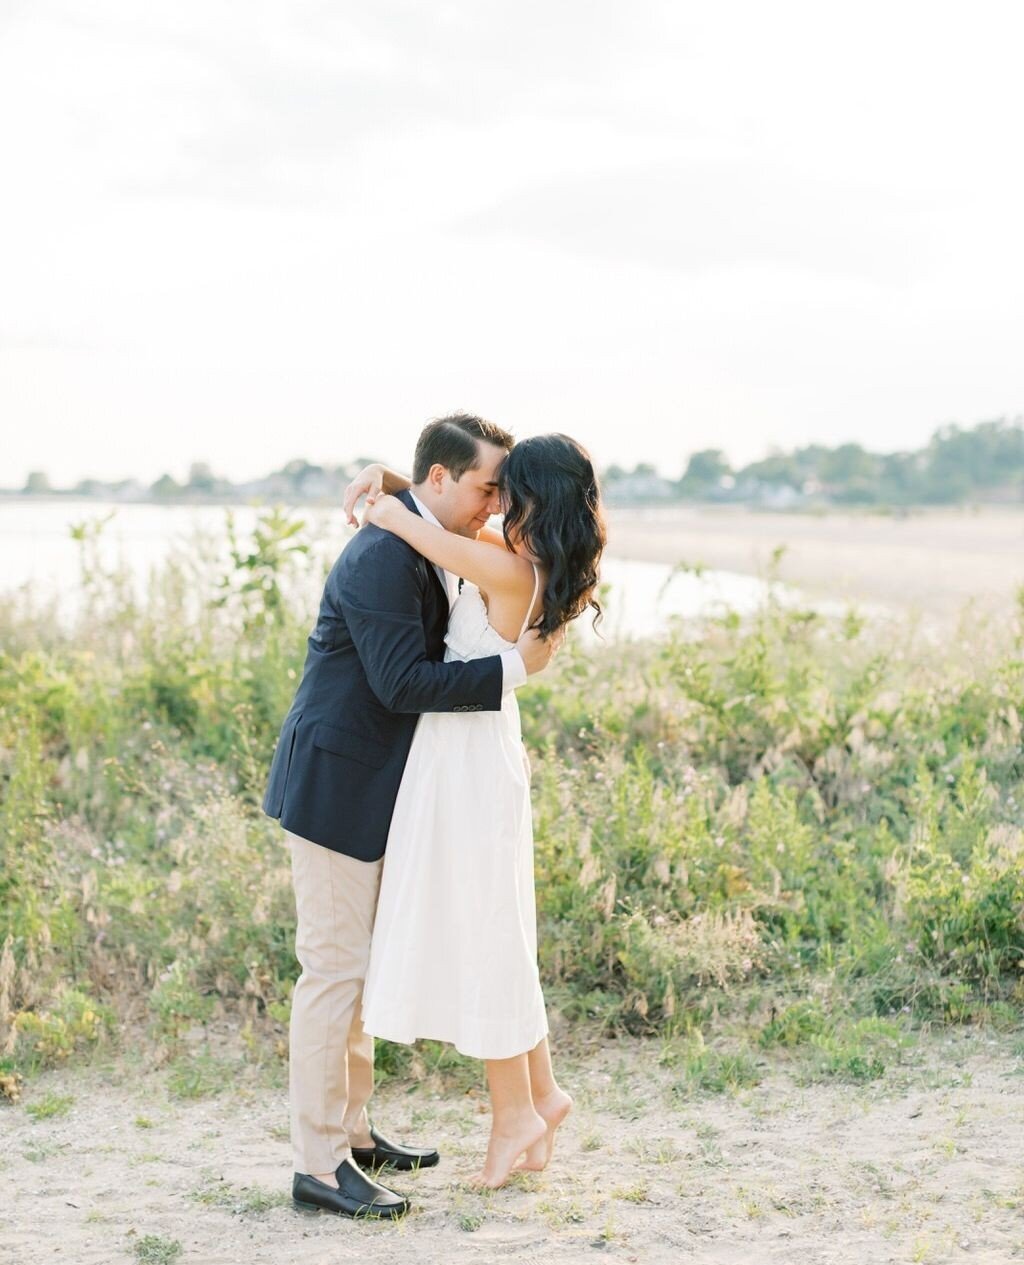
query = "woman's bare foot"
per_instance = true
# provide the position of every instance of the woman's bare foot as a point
(504, 1148)
(553, 1109)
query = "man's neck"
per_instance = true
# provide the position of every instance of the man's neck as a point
(423, 495)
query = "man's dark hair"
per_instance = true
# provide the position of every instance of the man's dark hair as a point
(451, 442)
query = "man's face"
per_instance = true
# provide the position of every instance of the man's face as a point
(464, 506)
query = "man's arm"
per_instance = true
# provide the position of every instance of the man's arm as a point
(381, 598)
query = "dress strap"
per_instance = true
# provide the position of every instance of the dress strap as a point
(529, 609)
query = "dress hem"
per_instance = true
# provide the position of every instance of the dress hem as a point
(462, 1048)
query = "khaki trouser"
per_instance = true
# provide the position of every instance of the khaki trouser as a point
(330, 1075)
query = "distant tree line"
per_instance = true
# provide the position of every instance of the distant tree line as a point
(980, 463)
(297, 482)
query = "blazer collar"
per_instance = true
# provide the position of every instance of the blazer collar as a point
(406, 497)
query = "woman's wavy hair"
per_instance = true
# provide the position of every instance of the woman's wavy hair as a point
(551, 497)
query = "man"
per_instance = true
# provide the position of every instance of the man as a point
(375, 662)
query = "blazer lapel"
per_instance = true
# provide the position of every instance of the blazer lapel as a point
(406, 498)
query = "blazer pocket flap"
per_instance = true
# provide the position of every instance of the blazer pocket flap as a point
(352, 746)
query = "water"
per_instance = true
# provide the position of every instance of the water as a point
(36, 548)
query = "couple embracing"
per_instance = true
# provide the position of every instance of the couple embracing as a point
(402, 783)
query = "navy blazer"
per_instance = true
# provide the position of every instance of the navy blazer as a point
(374, 663)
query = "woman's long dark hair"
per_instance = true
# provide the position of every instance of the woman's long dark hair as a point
(551, 497)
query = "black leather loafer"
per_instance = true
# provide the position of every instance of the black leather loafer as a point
(385, 1154)
(357, 1195)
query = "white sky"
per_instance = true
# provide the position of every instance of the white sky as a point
(244, 232)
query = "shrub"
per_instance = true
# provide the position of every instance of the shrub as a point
(772, 803)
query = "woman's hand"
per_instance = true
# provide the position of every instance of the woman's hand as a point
(369, 482)
(384, 511)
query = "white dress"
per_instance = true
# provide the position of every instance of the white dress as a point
(454, 949)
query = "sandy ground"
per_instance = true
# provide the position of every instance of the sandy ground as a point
(924, 1165)
(930, 561)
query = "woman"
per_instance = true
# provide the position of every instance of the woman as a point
(454, 949)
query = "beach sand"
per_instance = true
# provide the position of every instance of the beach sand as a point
(934, 562)
(921, 1165)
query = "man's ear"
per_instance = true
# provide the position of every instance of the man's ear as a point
(435, 477)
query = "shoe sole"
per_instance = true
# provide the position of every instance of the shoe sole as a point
(397, 1166)
(364, 1213)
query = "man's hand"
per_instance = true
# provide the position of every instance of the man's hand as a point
(537, 653)
(369, 482)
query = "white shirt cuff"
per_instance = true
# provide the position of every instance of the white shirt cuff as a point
(513, 670)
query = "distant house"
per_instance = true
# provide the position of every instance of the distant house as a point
(779, 496)
(772, 496)
(637, 489)
(128, 490)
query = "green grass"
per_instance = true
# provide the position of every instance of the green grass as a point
(153, 1250)
(50, 1106)
(242, 1201)
(762, 831)
(637, 1194)
(200, 1076)
(711, 1071)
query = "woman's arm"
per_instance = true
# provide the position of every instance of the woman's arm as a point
(370, 482)
(491, 537)
(475, 560)
(376, 478)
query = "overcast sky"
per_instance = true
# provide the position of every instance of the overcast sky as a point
(244, 232)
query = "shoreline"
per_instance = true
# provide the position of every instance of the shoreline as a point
(934, 562)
